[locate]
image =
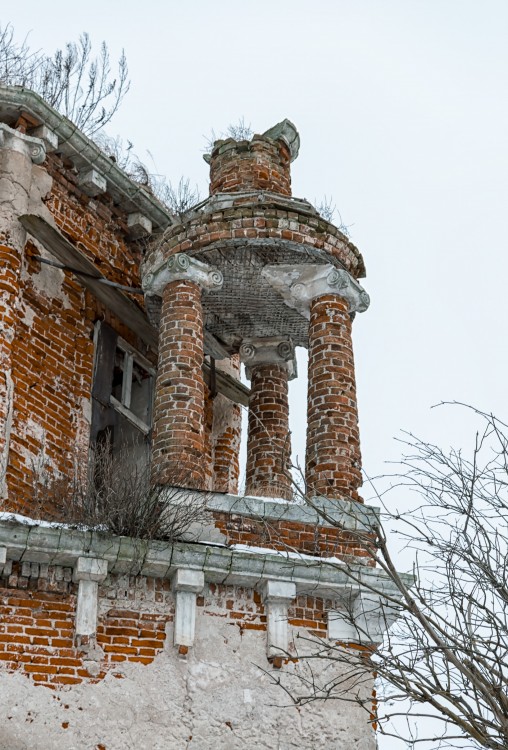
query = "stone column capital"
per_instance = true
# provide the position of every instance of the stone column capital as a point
(180, 267)
(299, 285)
(13, 140)
(272, 350)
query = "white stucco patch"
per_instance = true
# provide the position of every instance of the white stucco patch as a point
(216, 698)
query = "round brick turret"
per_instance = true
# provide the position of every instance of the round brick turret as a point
(288, 278)
(263, 163)
(259, 164)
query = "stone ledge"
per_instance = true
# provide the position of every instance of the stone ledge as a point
(63, 546)
(349, 515)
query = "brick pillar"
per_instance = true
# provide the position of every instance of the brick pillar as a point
(333, 461)
(180, 453)
(226, 434)
(268, 440)
(179, 429)
(17, 152)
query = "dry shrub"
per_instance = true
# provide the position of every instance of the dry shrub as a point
(116, 495)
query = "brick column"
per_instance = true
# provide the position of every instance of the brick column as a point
(328, 297)
(178, 450)
(17, 153)
(270, 363)
(333, 460)
(179, 430)
(226, 434)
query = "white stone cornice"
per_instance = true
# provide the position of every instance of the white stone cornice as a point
(27, 145)
(298, 285)
(181, 267)
(278, 350)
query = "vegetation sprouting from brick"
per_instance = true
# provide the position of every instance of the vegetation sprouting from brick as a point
(238, 131)
(117, 496)
(78, 84)
(84, 88)
(328, 210)
(178, 198)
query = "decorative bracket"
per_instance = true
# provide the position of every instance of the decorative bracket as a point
(92, 182)
(277, 350)
(299, 285)
(181, 266)
(138, 225)
(365, 621)
(24, 144)
(187, 584)
(88, 572)
(278, 595)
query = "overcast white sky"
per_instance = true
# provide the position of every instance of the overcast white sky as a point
(402, 109)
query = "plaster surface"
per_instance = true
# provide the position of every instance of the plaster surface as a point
(218, 697)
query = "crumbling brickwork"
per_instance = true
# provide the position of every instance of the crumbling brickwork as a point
(38, 606)
(258, 164)
(236, 278)
(226, 427)
(268, 444)
(292, 536)
(179, 430)
(333, 464)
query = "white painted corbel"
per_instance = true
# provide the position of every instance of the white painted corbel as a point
(365, 622)
(88, 572)
(187, 584)
(47, 136)
(92, 182)
(138, 225)
(278, 595)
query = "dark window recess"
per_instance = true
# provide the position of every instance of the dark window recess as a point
(122, 395)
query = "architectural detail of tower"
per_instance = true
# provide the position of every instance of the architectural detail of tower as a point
(183, 614)
(287, 278)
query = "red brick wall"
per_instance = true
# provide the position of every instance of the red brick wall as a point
(259, 164)
(226, 434)
(37, 624)
(290, 536)
(52, 350)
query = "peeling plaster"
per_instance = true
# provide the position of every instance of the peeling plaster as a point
(218, 697)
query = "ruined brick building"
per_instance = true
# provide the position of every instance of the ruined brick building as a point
(107, 642)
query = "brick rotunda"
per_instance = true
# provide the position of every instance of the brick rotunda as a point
(262, 273)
